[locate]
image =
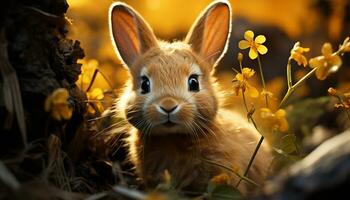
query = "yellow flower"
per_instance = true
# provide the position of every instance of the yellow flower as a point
(241, 83)
(277, 120)
(346, 45)
(327, 63)
(94, 98)
(343, 98)
(254, 45)
(221, 179)
(297, 54)
(266, 93)
(87, 70)
(58, 105)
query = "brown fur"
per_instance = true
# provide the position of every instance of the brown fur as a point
(203, 130)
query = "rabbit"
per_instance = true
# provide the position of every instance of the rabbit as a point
(173, 106)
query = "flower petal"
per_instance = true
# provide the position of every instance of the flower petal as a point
(260, 39)
(252, 91)
(262, 49)
(280, 113)
(335, 61)
(283, 125)
(249, 35)
(265, 113)
(322, 73)
(239, 77)
(243, 44)
(60, 95)
(96, 93)
(317, 62)
(66, 112)
(304, 60)
(327, 49)
(247, 72)
(253, 54)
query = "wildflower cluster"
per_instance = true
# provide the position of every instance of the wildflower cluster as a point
(275, 119)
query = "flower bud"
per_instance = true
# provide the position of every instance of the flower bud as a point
(240, 57)
(332, 91)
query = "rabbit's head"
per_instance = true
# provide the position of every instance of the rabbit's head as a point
(171, 87)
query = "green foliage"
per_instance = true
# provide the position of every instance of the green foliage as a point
(304, 114)
(223, 192)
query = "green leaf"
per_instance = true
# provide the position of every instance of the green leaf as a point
(223, 192)
(288, 143)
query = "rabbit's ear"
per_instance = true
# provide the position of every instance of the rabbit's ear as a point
(209, 35)
(132, 36)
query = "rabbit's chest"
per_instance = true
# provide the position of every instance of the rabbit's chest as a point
(180, 159)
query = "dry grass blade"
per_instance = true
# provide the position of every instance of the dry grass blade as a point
(56, 168)
(7, 177)
(11, 90)
(131, 193)
(97, 196)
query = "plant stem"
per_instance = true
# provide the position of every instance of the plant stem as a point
(296, 85)
(243, 95)
(289, 73)
(245, 103)
(232, 171)
(263, 81)
(252, 158)
(250, 118)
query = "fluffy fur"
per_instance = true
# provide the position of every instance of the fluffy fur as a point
(200, 128)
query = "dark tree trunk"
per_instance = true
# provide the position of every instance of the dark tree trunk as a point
(36, 58)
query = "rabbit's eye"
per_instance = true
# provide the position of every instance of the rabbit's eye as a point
(193, 83)
(145, 85)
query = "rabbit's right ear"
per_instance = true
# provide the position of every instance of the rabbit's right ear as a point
(131, 35)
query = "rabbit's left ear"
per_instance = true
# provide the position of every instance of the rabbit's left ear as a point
(209, 35)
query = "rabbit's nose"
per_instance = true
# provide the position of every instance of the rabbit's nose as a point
(168, 110)
(168, 105)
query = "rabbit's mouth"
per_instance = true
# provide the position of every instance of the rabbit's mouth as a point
(169, 124)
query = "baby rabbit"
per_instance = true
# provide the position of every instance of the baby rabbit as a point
(172, 103)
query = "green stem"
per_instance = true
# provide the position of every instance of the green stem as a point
(232, 171)
(252, 158)
(296, 85)
(250, 118)
(289, 73)
(307, 76)
(291, 88)
(244, 99)
(263, 81)
(245, 103)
